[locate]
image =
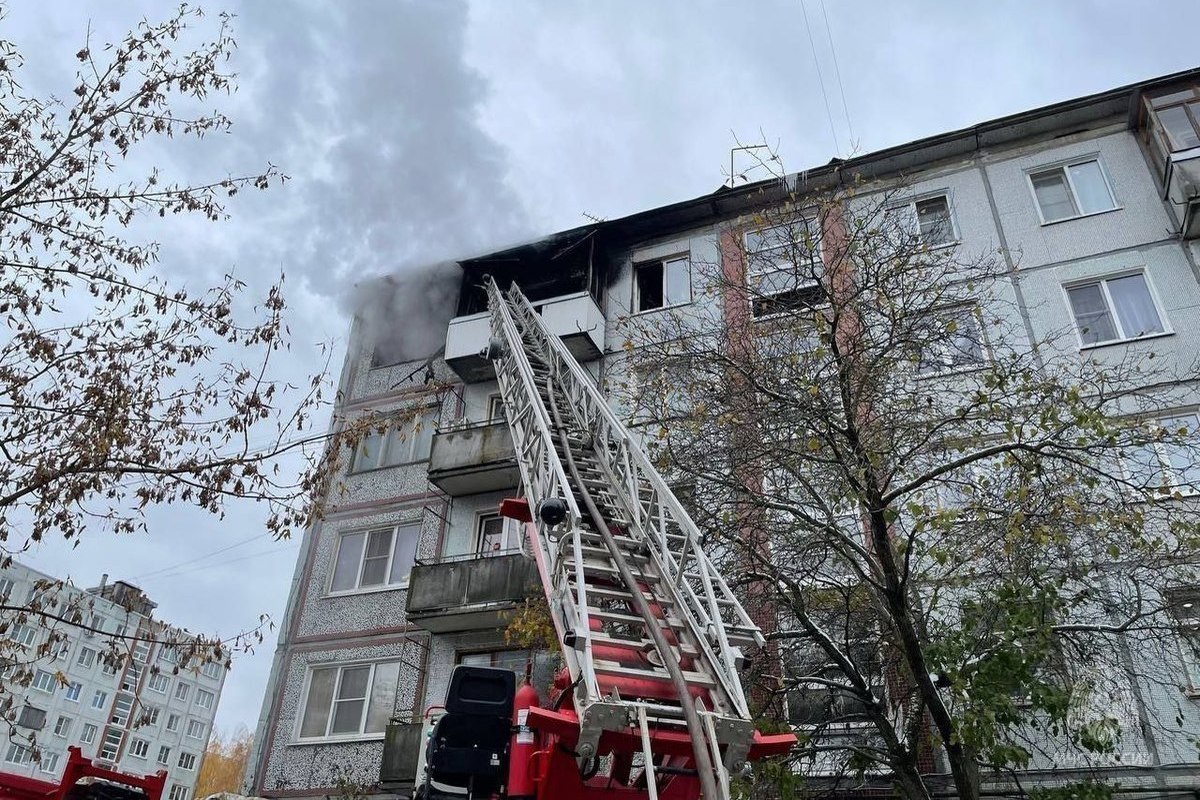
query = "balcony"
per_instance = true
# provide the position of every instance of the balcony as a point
(469, 593)
(472, 459)
(1183, 190)
(574, 317)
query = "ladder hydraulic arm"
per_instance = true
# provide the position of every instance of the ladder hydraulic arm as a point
(652, 635)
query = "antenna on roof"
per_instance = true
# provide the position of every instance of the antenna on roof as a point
(733, 177)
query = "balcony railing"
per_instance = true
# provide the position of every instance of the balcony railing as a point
(473, 458)
(471, 592)
(574, 317)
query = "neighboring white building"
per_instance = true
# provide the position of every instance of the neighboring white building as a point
(410, 568)
(138, 716)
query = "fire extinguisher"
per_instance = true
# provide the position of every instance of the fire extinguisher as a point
(524, 745)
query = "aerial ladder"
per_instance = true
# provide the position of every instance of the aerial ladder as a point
(649, 704)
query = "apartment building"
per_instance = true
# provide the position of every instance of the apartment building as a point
(1094, 204)
(139, 713)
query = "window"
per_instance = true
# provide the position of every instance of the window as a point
(497, 535)
(1179, 117)
(374, 559)
(32, 717)
(178, 792)
(173, 722)
(88, 734)
(87, 657)
(212, 669)
(44, 681)
(1169, 461)
(662, 284)
(159, 683)
(107, 667)
(49, 763)
(515, 660)
(164, 755)
(149, 715)
(131, 677)
(782, 246)
(22, 634)
(1073, 190)
(929, 219)
(121, 710)
(187, 761)
(204, 698)
(1114, 309)
(95, 625)
(110, 745)
(790, 300)
(73, 690)
(405, 441)
(353, 700)
(495, 409)
(6, 587)
(181, 691)
(139, 748)
(99, 699)
(62, 727)
(954, 342)
(18, 754)
(195, 729)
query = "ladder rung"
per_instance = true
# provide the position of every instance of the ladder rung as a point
(622, 594)
(613, 668)
(632, 619)
(641, 645)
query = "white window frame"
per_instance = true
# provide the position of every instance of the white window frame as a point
(164, 755)
(985, 353)
(60, 730)
(184, 755)
(385, 586)
(341, 667)
(6, 588)
(1063, 166)
(162, 680)
(757, 269)
(426, 416)
(86, 658)
(207, 696)
(144, 747)
(182, 691)
(72, 692)
(87, 734)
(100, 699)
(173, 722)
(909, 205)
(685, 257)
(49, 762)
(194, 724)
(22, 634)
(495, 411)
(512, 528)
(1103, 280)
(44, 681)
(178, 792)
(18, 754)
(1164, 466)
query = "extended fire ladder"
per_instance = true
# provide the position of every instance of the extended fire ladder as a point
(652, 633)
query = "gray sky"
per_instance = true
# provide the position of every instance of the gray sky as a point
(418, 130)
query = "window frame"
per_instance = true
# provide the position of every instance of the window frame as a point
(1165, 468)
(495, 401)
(385, 586)
(910, 204)
(133, 748)
(1103, 280)
(483, 516)
(87, 734)
(187, 731)
(1064, 167)
(816, 257)
(164, 755)
(985, 351)
(173, 720)
(684, 256)
(182, 691)
(211, 698)
(340, 667)
(192, 759)
(427, 416)
(159, 678)
(66, 729)
(100, 699)
(37, 680)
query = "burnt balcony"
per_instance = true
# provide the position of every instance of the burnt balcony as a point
(473, 458)
(468, 593)
(576, 318)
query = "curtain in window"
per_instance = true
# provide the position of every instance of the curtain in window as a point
(1090, 187)
(1135, 307)
(1091, 314)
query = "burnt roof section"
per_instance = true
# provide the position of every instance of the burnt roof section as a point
(725, 202)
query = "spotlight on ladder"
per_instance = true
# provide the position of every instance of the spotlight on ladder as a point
(495, 349)
(552, 511)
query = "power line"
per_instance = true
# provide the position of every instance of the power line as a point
(820, 78)
(259, 554)
(838, 72)
(186, 562)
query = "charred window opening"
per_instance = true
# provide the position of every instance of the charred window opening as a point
(805, 297)
(544, 270)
